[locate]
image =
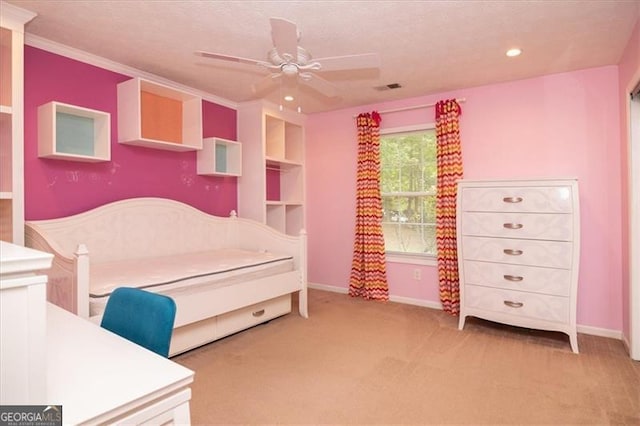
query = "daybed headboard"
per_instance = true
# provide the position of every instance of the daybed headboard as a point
(134, 229)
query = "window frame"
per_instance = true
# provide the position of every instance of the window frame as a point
(396, 256)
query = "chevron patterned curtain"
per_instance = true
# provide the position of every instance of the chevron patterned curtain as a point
(368, 268)
(449, 159)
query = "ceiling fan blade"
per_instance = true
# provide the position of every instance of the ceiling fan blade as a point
(285, 37)
(350, 62)
(231, 58)
(320, 85)
(267, 83)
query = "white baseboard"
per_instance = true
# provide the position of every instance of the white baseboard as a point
(594, 331)
(326, 287)
(626, 343)
(602, 332)
(417, 302)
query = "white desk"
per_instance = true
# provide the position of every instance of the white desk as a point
(99, 377)
(22, 324)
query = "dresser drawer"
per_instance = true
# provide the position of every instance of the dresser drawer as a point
(552, 254)
(542, 226)
(521, 304)
(535, 199)
(550, 281)
(249, 316)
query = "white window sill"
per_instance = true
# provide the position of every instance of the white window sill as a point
(411, 259)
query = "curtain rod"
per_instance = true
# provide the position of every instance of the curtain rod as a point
(387, 111)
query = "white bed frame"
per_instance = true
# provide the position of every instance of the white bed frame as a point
(143, 228)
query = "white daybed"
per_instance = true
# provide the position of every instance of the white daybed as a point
(225, 274)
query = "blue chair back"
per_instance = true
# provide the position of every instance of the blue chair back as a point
(142, 317)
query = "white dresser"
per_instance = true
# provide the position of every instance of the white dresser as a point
(519, 252)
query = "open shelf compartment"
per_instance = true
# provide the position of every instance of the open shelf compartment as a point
(158, 116)
(69, 132)
(220, 157)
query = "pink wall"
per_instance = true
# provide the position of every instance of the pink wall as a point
(55, 188)
(629, 76)
(561, 125)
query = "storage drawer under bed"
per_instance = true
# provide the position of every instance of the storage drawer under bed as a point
(249, 316)
(192, 335)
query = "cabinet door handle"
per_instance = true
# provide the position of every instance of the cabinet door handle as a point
(258, 313)
(511, 304)
(513, 225)
(514, 278)
(512, 252)
(512, 199)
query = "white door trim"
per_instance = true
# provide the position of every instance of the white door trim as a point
(634, 224)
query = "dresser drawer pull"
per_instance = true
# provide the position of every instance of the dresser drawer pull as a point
(512, 199)
(514, 278)
(512, 225)
(511, 304)
(258, 313)
(512, 252)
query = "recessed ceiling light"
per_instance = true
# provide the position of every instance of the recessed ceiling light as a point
(514, 52)
(288, 98)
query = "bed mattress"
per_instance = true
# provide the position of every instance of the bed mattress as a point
(183, 273)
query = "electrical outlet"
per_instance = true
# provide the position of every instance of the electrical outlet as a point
(416, 274)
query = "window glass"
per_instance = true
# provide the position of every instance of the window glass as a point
(408, 188)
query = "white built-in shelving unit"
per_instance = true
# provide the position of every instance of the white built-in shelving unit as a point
(12, 21)
(272, 186)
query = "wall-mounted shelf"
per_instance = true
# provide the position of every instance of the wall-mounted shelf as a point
(157, 116)
(220, 157)
(69, 132)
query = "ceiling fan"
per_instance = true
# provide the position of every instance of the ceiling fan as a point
(287, 60)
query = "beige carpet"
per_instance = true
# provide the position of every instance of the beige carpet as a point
(363, 362)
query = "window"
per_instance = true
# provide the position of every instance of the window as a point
(408, 188)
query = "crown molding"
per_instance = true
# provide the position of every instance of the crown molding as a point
(98, 61)
(13, 17)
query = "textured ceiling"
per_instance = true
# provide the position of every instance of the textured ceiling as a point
(426, 46)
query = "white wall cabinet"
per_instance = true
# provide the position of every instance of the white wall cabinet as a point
(519, 252)
(272, 187)
(158, 116)
(12, 21)
(69, 132)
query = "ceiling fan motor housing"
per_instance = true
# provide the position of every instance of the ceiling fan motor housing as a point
(289, 69)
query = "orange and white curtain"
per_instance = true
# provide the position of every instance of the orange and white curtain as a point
(449, 159)
(368, 268)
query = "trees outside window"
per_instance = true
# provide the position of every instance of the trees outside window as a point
(408, 188)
